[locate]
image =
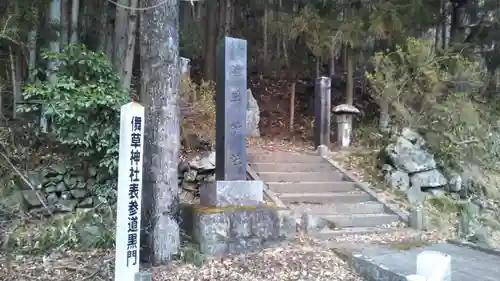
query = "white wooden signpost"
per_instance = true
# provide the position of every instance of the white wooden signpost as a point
(128, 218)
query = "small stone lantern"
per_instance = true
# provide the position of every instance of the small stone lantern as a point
(343, 114)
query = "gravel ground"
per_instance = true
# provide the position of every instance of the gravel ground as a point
(303, 259)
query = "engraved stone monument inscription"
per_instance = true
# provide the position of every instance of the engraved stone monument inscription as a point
(231, 104)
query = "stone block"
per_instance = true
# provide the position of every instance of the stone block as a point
(287, 224)
(232, 193)
(241, 224)
(265, 223)
(244, 245)
(211, 227)
(238, 229)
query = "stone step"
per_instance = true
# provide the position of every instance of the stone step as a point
(354, 231)
(370, 207)
(291, 167)
(298, 177)
(334, 186)
(324, 198)
(362, 220)
(285, 158)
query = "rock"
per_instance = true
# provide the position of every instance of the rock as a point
(78, 193)
(413, 137)
(455, 183)
(66, 205)
(408, 157)
(81, 185)
(31, 199)
(253, 116)
(90, 183)
(92, 171)
(57, 169)
(386, 168)
(66, 195)
(397, 180)
(204, 162)
(61, 186)
(190, 175)
(436, 192)
(415, 196)
(183, 167)
(52, 199)
(428, 179)
(36, 179)
(50, 187)
(70, 182)
(86, 203)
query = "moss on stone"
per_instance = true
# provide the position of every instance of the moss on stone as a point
(228, 209)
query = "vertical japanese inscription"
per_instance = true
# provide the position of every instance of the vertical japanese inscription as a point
(130, 168)
(231, 109)
(133, 190)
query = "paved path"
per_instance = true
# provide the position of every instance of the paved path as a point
(377, 263)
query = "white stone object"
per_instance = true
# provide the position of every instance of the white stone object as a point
(415, 278)
(128, 218)
(322, 150)
(344, 113)
(434, 266)
(232, 193)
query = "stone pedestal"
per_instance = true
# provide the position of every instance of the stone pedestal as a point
(237, 229)
(232, 193)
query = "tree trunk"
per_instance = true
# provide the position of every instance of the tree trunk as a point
(15, 68)
(228, 18)
(385, 118)
(349, 60)
(292, 105)
(222, 18)
(64, 22)
(103, 32)
(121, 26)
(130, 48)
(31, 46)
(265, 37)
(331, 71)
(210, 40)
(159, 44)
(75, 10)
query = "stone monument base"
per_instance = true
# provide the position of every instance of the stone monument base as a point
(232, 193)
(237, 229)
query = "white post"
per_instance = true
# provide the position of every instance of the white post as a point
(128, 217)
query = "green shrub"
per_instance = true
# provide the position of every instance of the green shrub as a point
(84, 104)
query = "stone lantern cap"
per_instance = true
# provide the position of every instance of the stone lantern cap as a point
(345, 109)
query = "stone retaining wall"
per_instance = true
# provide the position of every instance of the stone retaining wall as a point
(62, 188)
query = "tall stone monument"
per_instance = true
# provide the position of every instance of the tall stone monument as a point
(232, 216)
(322, 107)
(231, 187)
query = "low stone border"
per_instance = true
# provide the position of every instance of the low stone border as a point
(403, 216)
(368, 268)
(267, 192)
(474, 246)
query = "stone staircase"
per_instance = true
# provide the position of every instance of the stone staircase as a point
(307, 182)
